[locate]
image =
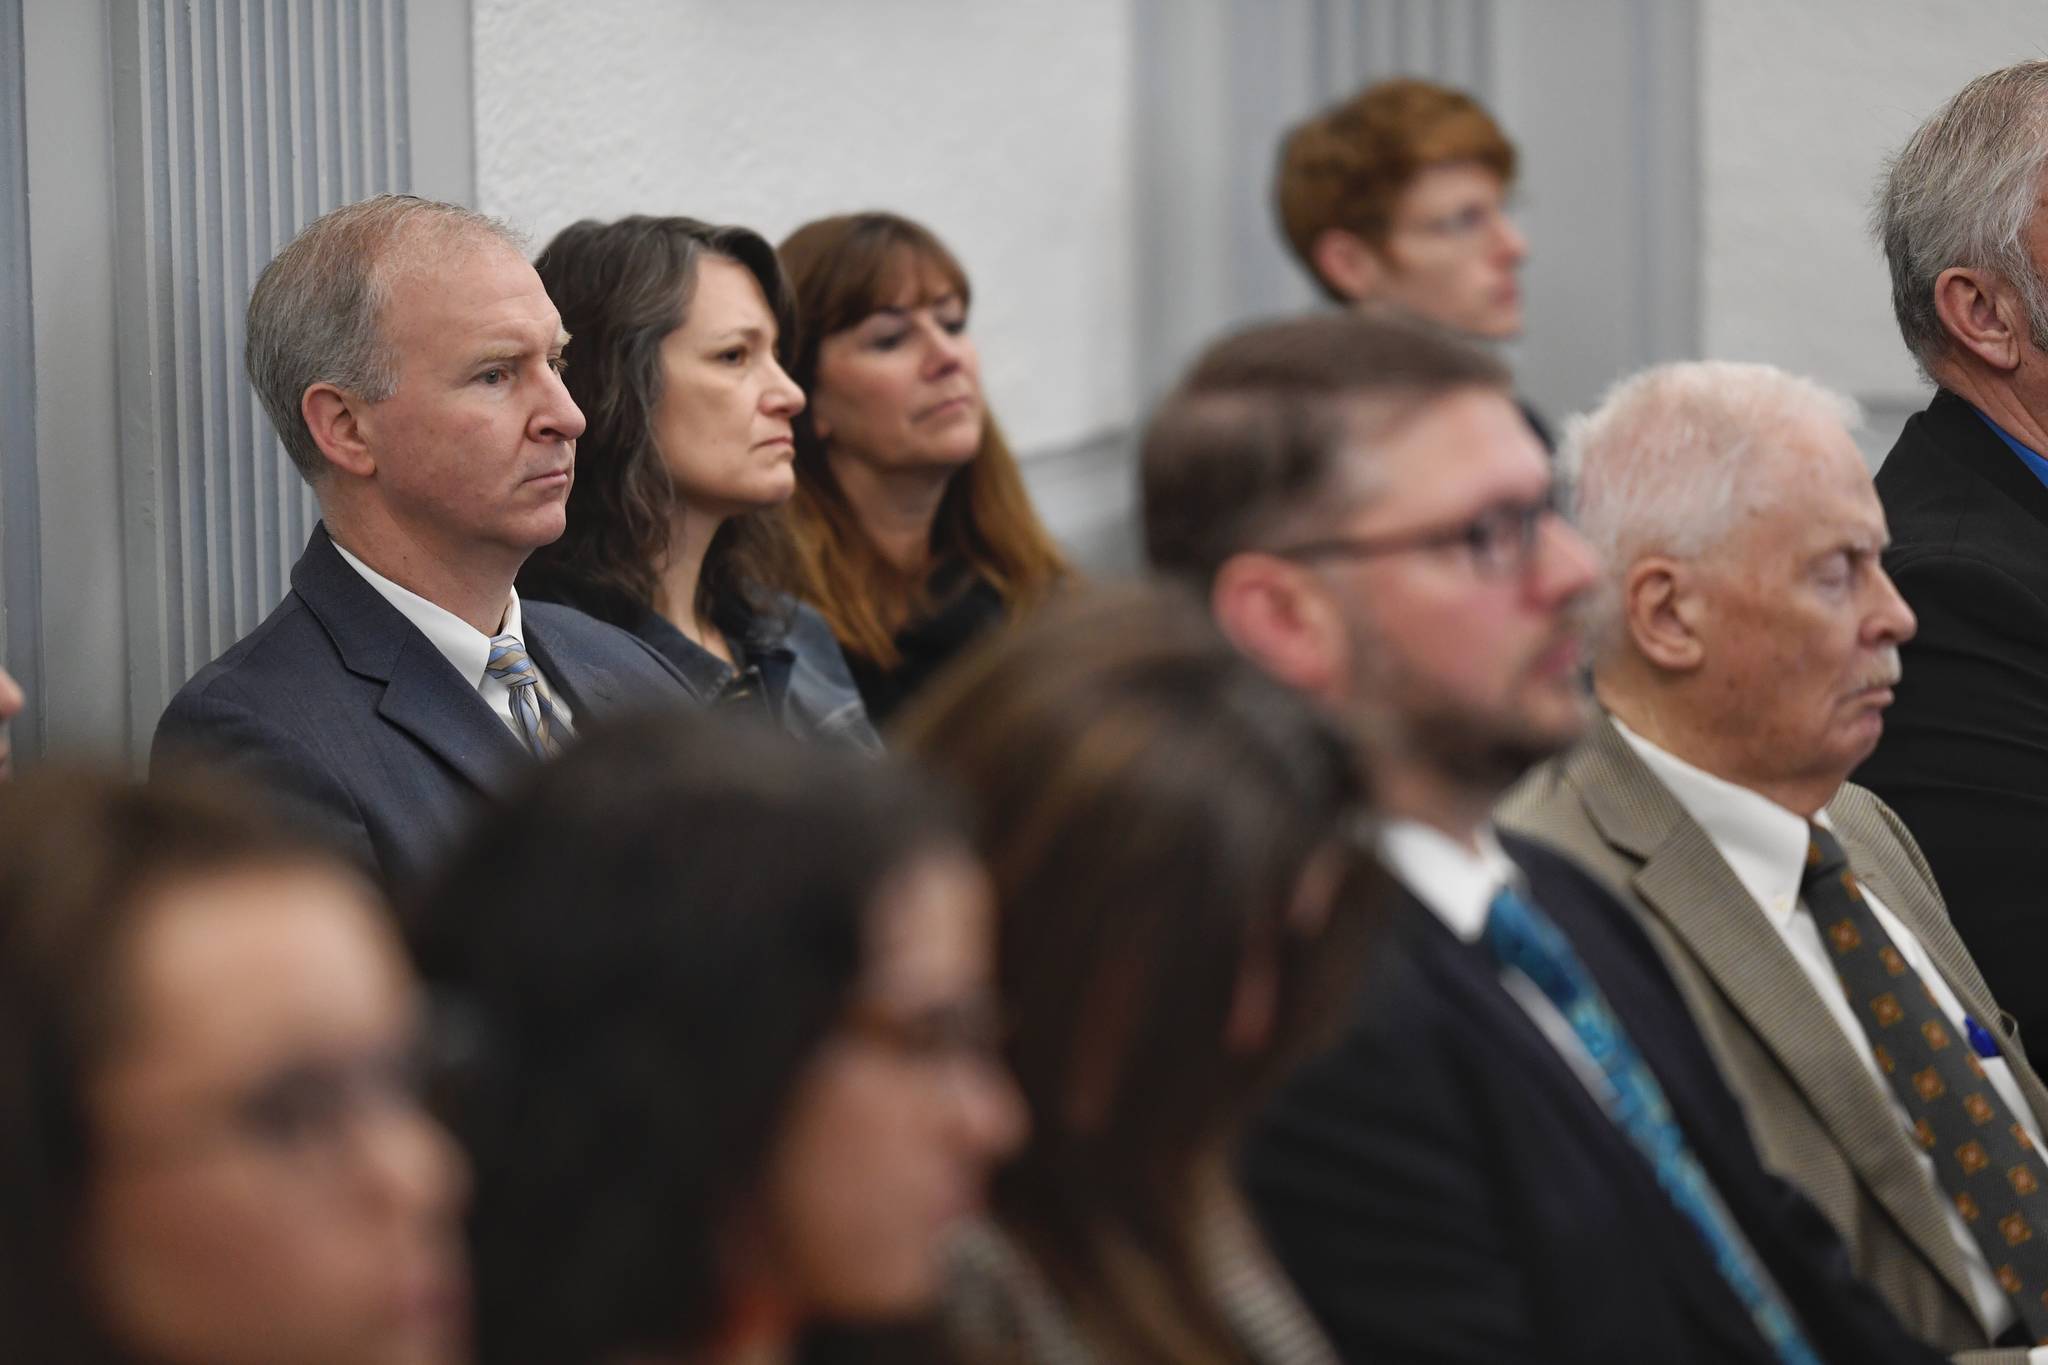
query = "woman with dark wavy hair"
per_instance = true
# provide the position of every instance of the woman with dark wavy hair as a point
(914, 530)
(733, 1064)
(677, 334)
(1182, 897)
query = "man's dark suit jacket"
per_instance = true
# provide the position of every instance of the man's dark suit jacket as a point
(1442, 1186)
(1964, 758)
(344, 708)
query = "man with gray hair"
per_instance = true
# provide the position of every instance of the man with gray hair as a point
(410, 361)
(1748, 647)
(1965, 753)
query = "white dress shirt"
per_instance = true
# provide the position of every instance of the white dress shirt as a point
(1458, 885)
(460, 643)
(1764, 844)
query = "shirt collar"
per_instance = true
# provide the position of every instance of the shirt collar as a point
(753, 639)
(1763, 843)
(462, 644)
(1457, 884)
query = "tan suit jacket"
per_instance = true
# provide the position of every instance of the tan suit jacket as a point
(1820, 1119)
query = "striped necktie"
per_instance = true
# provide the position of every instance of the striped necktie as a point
(1524, 938)
(539, 726)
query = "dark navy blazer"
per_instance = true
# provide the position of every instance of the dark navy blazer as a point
(1964, 758)
(1442, 1187)
(351, 714)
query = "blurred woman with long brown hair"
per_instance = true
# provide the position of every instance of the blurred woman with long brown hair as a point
(1182, 895)
(914, 529)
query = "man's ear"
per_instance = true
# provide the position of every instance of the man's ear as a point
(1347, 263)
(334, 416)
(1281, 619)
(1659, 612)
(1981, 315)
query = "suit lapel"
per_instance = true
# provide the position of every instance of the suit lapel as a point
(1467, 978)
(591, 690)
(1468, 981)
(427, 699)
(423, 694)
(1689, 887)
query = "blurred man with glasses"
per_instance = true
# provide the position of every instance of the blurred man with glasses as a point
(1519, 1147)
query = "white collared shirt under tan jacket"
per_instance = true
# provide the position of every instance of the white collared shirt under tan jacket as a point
(1815, 1103)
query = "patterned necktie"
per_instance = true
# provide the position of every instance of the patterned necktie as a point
(541, 728)
(1524, 938)
(1984, 1159)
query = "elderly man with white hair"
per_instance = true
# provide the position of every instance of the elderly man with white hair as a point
(1748, 648)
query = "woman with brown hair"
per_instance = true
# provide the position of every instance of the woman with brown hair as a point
(212, 1151)
(1174, 840)
(914, 530)
(677, 334)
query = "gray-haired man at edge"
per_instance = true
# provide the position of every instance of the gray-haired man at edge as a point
(407, 354)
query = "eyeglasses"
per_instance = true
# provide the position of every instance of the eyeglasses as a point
(973, 1029)
(1472, 221)
(1501, 540)
(308, 1115)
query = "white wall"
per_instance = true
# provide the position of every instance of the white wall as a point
(1004, 127)
(1601, 98)
(1219, 83)
(1801, 104)
(83, 706)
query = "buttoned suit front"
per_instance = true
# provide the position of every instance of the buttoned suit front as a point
(1820, 1119)
(347, 712)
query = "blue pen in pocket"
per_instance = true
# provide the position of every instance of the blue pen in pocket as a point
(1981, 1041)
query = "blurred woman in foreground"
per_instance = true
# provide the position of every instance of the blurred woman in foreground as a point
(733, 1063)
(914, 530)
(212, 1147)
(1175, 846)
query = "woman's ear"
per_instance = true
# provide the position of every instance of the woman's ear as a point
(1254, 1006)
